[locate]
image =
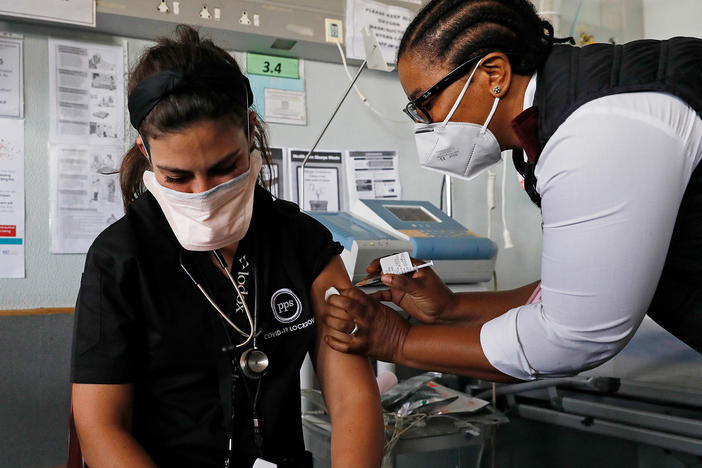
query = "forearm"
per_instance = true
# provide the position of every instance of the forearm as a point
(476, 308)
(358, 434)
(454, 350)
(112, 447)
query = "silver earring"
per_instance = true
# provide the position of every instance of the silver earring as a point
(497, 90)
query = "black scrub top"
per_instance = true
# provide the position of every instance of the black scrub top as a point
(141, 320)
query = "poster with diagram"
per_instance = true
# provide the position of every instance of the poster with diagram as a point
(12, 218)
(322, 189)
(86, 88)
(86, 141)
(373, 174)
(85, 194)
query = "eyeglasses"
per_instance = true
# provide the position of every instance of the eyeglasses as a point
(415, 108)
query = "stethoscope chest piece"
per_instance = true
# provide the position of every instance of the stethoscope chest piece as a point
(253, 363)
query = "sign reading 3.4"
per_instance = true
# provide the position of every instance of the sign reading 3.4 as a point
(270, 65)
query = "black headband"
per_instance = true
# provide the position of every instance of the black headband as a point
(153, 89)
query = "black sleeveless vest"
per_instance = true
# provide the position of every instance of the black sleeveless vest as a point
(573, 76)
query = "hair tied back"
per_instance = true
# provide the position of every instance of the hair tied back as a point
(150, 91)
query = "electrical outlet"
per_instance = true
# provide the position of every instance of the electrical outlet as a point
(333, 30)
(245, 20)
(162, 7)
(176, 8)
(205, 13)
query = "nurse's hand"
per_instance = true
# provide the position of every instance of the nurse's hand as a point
(380, 331)
(422, 294)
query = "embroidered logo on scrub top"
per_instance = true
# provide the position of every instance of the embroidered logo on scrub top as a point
(241, 278)
(286, 305)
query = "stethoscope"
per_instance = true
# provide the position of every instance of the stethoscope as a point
(253, 362)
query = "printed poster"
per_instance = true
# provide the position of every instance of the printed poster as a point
(11, 78)
(12, 218)
(387, 21)
(323, 176)
(373, 174)
(85, 194)
(86, 88)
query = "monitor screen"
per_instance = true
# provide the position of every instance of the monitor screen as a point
(412, 213)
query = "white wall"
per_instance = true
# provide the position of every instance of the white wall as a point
(668, 18)
(607, 20)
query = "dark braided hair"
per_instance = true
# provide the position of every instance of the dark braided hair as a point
(454, 31)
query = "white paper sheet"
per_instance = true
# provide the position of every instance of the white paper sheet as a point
(373, 174)
(286, 107)
(86, 87)
(323, 179)
(321, 188)
(463, 404)
(11, 80)
(12, 198)
(387, 21)
(260, 463)
(85, 194)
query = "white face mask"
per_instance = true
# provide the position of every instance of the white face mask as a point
(460, 149)
(213, 219)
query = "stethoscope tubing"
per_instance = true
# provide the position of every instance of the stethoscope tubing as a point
(249, 336)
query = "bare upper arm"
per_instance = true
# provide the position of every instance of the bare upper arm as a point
(341, 376)
(102, 405)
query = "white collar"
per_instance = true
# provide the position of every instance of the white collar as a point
(530, 92)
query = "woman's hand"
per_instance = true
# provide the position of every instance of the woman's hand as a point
(422, 295)
(385, 335)
(380, 330)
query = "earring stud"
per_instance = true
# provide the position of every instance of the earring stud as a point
(497, 90)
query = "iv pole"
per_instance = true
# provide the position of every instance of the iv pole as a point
(301, 186)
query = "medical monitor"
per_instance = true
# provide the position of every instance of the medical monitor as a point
(412, 213)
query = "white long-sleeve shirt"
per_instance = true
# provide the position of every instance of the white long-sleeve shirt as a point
(611, 179)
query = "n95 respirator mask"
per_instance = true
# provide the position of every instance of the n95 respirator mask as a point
(459, 149)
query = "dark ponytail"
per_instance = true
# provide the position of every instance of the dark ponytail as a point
(216, 90)
(130, 172)
(454, 31)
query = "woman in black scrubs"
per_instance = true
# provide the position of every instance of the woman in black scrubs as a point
(197, 308)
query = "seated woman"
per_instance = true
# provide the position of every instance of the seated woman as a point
(197, 308)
